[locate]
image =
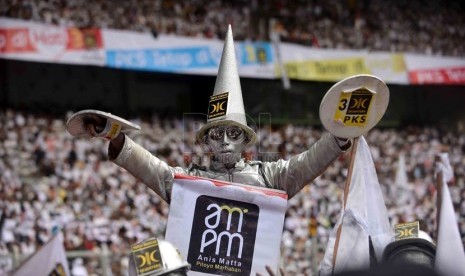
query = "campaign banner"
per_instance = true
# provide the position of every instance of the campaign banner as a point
(435, 70)
(453, 75)
(27, 40)
(225, 228)
(312, 64)
(166, 53)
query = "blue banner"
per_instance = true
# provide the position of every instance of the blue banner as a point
(189, 58)
(169, 60)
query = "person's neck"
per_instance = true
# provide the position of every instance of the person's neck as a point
(218, 164)
(229, 166)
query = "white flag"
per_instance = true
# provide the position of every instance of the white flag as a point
(365, 216)
(50, 259)
(450, 256)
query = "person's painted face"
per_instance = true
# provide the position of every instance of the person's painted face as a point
(226, 143)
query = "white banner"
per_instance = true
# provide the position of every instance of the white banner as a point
(226, 228)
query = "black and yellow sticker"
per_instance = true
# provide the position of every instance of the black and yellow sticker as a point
(407, 230)
(147, 256)
(354, 107)
(218, 105)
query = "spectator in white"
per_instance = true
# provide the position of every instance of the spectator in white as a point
(78, 268)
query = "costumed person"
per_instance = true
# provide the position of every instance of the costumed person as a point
(155, 257)
(226, 135)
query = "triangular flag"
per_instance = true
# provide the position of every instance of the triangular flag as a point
(450, 256)
(364, 217)
(50, 259)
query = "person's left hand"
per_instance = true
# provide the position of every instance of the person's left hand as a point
(344, 143)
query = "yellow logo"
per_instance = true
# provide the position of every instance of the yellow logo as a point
(359, 104)
(233, 209)
(147, 256)
(219, 106)
(407, 230)
(353, 108)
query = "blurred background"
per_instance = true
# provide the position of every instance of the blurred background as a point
(155, 63)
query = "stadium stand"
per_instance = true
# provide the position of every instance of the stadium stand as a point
(46, 174)
(428, 27)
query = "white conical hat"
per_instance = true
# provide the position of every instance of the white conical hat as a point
(226, 106)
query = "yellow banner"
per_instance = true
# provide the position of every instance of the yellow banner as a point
(337, 69)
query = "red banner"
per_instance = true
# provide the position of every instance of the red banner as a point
(84, 39)
(32, 40)
(15, 41)
(438, 76)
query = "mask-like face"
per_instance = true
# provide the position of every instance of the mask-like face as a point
(226, 143)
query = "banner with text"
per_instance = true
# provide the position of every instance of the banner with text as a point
(27, 40)
(435, 70)
(305, 63)
(175, 54)
(225, 228)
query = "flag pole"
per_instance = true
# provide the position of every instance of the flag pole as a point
(346, 194)
(439, 185)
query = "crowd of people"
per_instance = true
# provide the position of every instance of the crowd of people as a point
(427, 27)
(51, 180)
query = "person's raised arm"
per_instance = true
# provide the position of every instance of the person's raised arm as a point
(124, 152)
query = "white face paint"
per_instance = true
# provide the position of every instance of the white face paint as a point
(226, 143)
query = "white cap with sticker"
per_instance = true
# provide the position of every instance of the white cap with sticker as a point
(354, 105)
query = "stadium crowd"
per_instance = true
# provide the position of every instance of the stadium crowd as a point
(50, 180)
(427, 27)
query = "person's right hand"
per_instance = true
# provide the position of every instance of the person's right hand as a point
(94, 125)
(99, 126)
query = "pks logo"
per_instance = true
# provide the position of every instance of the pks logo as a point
(354, 107)
(359, 102)
(407, 230)
(218, 105)
(223, 236)
(147, 256)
